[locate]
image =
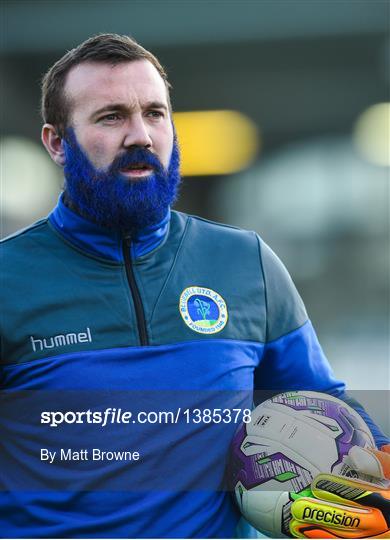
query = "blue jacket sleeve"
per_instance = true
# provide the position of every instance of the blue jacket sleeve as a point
(293, 358)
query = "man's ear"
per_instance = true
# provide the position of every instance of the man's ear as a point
(53, 144)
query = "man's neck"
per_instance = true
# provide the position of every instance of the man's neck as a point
(70, 204)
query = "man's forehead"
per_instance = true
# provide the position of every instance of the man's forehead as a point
(93, 83)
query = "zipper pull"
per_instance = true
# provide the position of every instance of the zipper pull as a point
(127, 243)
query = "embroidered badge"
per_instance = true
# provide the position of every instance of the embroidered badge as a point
(203, 310)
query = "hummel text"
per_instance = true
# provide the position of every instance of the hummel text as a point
(61, 340)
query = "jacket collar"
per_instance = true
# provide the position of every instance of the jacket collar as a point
(102, 242)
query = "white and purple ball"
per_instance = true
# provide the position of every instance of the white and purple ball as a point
(290, 439)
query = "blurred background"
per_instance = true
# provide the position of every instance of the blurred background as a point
(283, 119)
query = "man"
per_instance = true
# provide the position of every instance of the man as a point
(115, 293)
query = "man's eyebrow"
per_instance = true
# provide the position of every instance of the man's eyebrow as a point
(155, 105)
(121, 107)
(111, 107)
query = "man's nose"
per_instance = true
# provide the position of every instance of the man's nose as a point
(137, 133)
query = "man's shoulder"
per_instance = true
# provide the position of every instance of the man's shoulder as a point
(200, 226)
(24, 234)
(23, 242)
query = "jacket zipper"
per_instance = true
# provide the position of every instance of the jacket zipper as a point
(139, 308)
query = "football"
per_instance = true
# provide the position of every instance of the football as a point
(290, 439)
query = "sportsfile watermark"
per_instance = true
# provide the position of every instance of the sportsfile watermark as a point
(119, 440)
(112, 415)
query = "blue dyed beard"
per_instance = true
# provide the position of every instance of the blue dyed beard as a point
(110, 199)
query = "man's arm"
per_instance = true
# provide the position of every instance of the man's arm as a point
(293, 358)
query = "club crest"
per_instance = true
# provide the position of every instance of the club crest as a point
(203, 310)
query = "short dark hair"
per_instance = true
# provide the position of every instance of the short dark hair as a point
(112, 48)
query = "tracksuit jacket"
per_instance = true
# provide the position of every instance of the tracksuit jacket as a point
(190, 313)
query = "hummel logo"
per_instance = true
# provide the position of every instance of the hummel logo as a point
(62, 340)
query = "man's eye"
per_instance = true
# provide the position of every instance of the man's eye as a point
(111, 117)
(155, 114)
